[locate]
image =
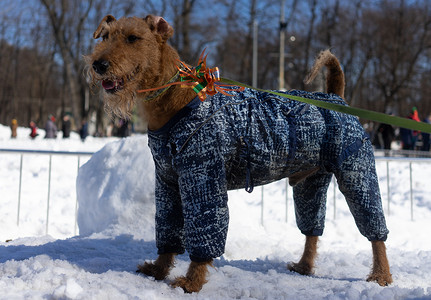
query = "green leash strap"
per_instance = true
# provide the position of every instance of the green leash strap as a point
(359, 112)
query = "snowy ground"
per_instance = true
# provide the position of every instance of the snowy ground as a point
(115, 218)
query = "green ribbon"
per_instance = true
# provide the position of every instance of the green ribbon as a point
(359, 112)
(200, 75)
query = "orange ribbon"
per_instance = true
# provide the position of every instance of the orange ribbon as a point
(203, 80)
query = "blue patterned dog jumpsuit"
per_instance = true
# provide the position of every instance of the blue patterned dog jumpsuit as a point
(252, 139)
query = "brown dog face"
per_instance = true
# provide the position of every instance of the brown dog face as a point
(127, 59)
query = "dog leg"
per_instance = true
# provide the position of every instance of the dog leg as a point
(195, 277)
(306, 265)
(380, 272)
(160, 268)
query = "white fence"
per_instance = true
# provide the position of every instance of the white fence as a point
(385, 187)
(21, 153)
(387, 183)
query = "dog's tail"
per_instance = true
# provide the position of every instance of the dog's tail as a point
(334, 78)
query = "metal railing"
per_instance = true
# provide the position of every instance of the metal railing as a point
(23, 152)
(387, 160)
(410, 161)
(406, 158)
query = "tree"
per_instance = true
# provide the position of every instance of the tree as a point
(67, 22)
(383, 46)
(401, 43)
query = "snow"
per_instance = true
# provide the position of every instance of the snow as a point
(115, 191)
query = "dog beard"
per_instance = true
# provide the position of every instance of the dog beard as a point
(119, 104)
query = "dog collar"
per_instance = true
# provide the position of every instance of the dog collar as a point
(162, 90)
(203, 80)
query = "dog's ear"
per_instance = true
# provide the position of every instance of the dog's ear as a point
(160, 26)
(103, 26)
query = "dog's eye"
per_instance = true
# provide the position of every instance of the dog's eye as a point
(132, 38)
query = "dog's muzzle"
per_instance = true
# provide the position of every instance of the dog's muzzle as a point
(110, 85)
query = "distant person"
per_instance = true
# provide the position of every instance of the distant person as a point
(109, 129)
(414, 114)
(50, 128)
(406, 138)
(426, 136)
(123, 131)
(387, 134)
(409, 137)
(415, 134)
(33, 128)
(65, 127)
(13, 128)
(83, 132)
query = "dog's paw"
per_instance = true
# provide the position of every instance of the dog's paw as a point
(382, 279)
(301, 268)
(187, 284)
(153, 270)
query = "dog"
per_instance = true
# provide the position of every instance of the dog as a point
(202, 149)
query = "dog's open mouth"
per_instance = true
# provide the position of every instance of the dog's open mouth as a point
(112, 86)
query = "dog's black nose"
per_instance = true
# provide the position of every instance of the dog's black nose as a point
(100, 66)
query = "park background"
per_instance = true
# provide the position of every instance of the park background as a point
(383, 46)
(384, 49)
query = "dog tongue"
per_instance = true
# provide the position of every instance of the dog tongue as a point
(111, 85)
(108, 84)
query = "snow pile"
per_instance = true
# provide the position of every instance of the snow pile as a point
(115, 190)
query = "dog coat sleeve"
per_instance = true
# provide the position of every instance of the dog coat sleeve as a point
(203, 190)
(191, 189)
(169, 217)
